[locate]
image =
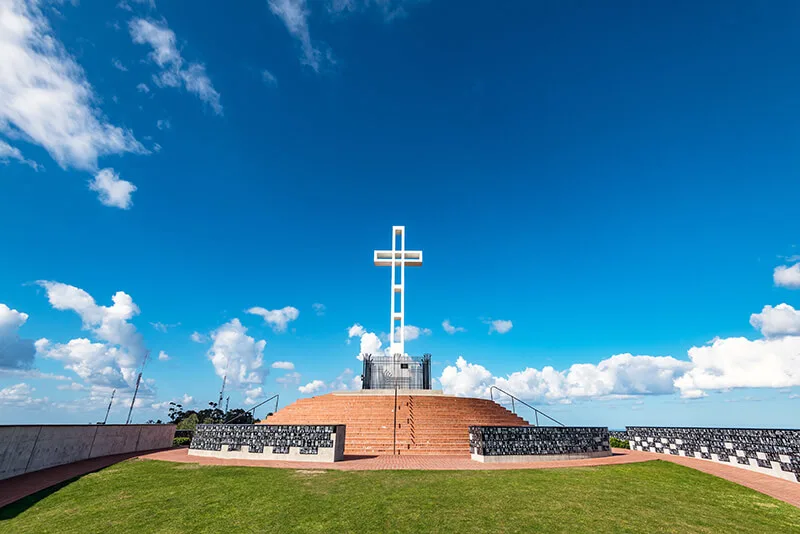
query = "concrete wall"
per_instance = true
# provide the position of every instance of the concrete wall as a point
(771, 451)
(29, 448)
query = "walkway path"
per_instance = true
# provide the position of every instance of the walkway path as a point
(21, 486)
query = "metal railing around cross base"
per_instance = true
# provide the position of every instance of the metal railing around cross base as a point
(513, 407)
(253, 409)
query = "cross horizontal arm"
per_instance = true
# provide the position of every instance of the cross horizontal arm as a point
(409, 258)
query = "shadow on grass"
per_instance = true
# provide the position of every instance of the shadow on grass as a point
(10, 511)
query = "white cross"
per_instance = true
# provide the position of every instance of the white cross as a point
(398, 258)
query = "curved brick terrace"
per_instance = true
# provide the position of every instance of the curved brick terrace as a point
(18, 487)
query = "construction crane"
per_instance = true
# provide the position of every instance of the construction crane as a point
(109, 406)
(136, 390)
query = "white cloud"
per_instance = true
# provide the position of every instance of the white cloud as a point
(118, 65)
(15, 352)
(73, 386)
(466, 379)
(312, 387)
(45, 97)
(283, 365)
(787, 276)
(741, 363)
(356, 331)
(412, 332)
(289, 379)
(21, 396)
(163, 356)
(112, 191)
(197, 337)
(346, 381)
(143, 88)
(237, 355)
(294, 14)
(164, 327)
(500, 326)
(163, 124)
(278, 319)
(102, 363)
(166, 55)
(252, 396)
(8, 152)
(450, 329)
(391, 9)
(618, 376)
(269, 78)
(319, 309)
(185, 402)
(781, 320)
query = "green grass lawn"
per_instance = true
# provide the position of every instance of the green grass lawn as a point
(152, 496)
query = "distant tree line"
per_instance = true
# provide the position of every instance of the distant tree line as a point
(189, 419)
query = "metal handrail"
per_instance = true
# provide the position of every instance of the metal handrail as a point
(513, 409)
(253, 409)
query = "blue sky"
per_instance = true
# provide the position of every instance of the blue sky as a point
(617, 181)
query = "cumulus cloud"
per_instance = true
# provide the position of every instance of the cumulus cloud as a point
(620, 375)
(238, 356)
(412, 332)
(112, 362)
(164, 327)
(356, 331)
(294, 15)
(45, 97)
(253, 395)
(346, 381)
(319, 309)
(500, 326)
(8, 152)
(785, 276)
(197, 337)
(112, 191)
(742, 363)
(21, 396)
(781, 320)
(283, 365)
(174, 71)
(163, 124)
(289, 379)
(278, 319)
(15, 352)
(163, 356)
(450, 329)
(118, 65)
(143, 88)
(312, 387)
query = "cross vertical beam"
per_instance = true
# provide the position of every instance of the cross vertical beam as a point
(395, 258)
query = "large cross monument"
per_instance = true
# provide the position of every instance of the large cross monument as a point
(397, 259)
(396, 369)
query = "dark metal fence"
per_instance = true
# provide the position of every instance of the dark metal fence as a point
(396, 372)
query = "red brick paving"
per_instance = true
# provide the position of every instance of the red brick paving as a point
(21, 486)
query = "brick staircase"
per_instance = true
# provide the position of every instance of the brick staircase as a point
(426, 424)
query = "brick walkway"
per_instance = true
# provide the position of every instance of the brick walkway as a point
(21, 486)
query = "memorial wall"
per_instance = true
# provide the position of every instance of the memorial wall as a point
(532, 443)
(303, 443)
(771, 451)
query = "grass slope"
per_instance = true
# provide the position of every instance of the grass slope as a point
(151, 496)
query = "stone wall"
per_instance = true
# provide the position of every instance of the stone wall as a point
(27, 448)
(303, 443)
(770, 451)
(532, 443)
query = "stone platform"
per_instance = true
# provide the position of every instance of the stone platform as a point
(423, 422)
